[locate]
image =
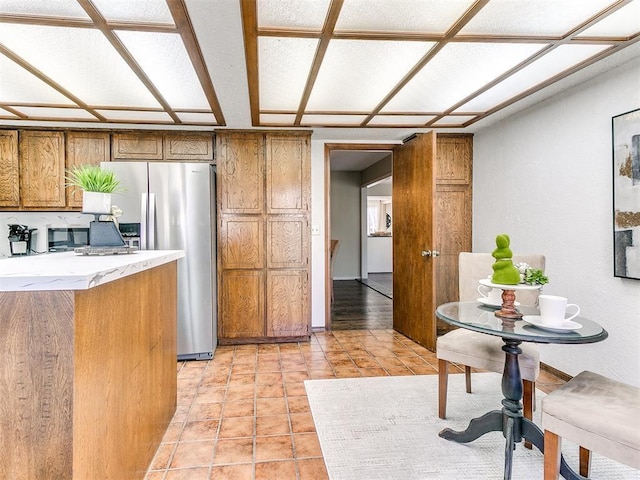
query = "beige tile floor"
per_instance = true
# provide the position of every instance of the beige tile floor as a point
(245, 414)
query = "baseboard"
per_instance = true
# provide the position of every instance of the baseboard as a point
(554, 371)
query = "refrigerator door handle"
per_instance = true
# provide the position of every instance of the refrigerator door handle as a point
(144, 202)
(152, 222)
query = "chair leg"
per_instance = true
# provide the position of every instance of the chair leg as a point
(467, 378)
(443, 380)
(585, 462)
(552, 446)
(528, 403)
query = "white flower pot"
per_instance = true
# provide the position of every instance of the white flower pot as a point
(96, 202)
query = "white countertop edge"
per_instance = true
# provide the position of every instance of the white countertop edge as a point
(68, 271)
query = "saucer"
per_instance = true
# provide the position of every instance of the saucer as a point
(490, 303)
(567, 326)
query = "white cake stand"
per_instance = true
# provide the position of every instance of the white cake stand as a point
(508, 308)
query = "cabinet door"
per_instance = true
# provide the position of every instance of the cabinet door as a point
(453, 164)
(241, 241)
(42, 169)
(132, 146)
(188, 147)
(85, 148)
(240, 173)
(287, 241)
(9, 176)
(288, 303)
(241, 297)
(288, 175)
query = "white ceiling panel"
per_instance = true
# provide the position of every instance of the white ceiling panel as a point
(405, 120)
(451, 120)
(284, 68)
(81, 60)
(135, 116)
(49, 8)
(166, 62)
(458, 70)
(318, 120)
(532, 17)
(299, 14)
(155, 11)
(418, 16)
(277, 119)
(357, 74)
(623, 22)
(46, 112)
(20, 86)
(551, 64)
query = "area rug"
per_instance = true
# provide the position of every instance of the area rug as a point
(387, 428)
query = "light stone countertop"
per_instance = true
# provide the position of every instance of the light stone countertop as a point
(68, 271)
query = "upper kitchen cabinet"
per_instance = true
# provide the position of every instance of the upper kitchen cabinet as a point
(188, 147)
(240, 173)
(85, 148)
(288, 164)
(42, 164)
(137, 146)
(9, 173)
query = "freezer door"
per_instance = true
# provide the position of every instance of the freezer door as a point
(184, 211)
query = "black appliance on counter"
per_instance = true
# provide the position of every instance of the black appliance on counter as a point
(20, 239)
(66, 239)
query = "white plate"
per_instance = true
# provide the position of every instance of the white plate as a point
(536, 320)
(490, 303)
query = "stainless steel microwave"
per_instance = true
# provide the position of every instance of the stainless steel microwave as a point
(64, 239)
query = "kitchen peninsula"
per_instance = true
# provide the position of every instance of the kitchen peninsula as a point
(88, 371)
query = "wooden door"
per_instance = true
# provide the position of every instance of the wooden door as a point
(453, 212)
(9, 176)
(85, 148)
(413, 233)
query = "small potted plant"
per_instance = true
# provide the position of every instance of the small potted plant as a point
(97, 186)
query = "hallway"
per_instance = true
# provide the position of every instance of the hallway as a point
(358, 307)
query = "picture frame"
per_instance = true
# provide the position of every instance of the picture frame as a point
(625, 135)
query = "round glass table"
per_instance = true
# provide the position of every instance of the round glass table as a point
(513, 331)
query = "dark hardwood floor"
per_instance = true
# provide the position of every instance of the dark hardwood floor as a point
(358, 307)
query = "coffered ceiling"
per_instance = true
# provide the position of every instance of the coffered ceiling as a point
(296, 63)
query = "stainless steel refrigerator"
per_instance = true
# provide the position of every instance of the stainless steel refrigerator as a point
(174, 204)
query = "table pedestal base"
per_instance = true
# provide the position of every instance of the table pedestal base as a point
(514, 426)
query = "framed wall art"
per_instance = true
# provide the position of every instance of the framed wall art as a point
(626, 194)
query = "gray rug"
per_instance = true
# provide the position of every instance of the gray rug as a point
(387, 428)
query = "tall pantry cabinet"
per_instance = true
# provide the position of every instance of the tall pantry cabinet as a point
(264, 189)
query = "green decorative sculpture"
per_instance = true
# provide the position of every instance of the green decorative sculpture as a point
(504, 271)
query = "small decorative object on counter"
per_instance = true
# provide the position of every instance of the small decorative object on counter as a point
(97, 186)
(504, 271)
(535, 276)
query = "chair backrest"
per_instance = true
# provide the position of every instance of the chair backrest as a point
(473, 267)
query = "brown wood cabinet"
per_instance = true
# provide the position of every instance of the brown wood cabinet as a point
(137, 146)
(42, 164)
(160, 146)
(9, 169)
(453, 207)
(85, 148)
(188, 147)
(264, 185)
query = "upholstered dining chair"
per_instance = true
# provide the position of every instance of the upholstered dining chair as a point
(477, 350)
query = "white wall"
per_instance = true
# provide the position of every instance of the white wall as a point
(544, 176)
(345, 223)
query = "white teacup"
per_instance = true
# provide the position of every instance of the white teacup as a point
(553, 310)
(494, 295)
